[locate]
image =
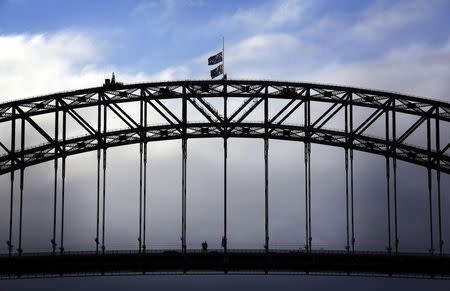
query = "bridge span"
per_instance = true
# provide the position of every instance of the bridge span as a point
(203, 109)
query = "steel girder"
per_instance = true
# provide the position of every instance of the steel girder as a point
(339, 99)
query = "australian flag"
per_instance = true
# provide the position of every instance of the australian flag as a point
(217, 71)
(215, 59)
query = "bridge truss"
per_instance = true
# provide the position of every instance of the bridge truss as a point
(210, 100)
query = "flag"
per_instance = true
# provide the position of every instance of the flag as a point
(217, 71)
(215, 59)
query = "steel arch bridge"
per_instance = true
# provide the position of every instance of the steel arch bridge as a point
(219, 121)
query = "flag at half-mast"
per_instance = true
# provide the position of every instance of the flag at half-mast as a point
(217, 71)
(215, 59)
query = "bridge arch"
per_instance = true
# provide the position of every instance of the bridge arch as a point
(221, 122)
(255, 93)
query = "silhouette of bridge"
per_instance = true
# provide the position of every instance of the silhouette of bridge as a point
(219, 121)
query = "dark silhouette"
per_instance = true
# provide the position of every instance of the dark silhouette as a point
(223, 124)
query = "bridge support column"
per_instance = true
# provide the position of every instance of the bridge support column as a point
(63, 180)
(309, 196)
(97, 240)
(266, 169)
(104, 175)
(225, 154)
(266, 191)
(430, 189)
(308, 173)
(11, 199)
(347, 246)
(438, 180)
(347, 223)
(225, 169)
(352, 208)
(55, 185)
(141, 121)
(389, 247)
(394, 165)
(183, 196)
(99, 145)
(388, 185)
(352, 173)
(145, 177)
(22, 173)
(183, 172)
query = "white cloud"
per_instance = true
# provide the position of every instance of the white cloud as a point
(46, 63)
(262, 47)
(267, 16)
(147, 6)
(164, 7)
(417, 70)
(171, 73)
(271, 55)
(379, 20)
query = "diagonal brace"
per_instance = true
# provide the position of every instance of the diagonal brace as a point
(38, 128)
(209, 107)
(121, 113)
(79, 119)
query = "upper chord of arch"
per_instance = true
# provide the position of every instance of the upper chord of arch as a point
(340, 100)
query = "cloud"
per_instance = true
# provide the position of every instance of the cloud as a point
(171, 73)
(416, 69)
(378, 20)
(160, 17)
(46, 63)
(264, 55)
(167, 6)
(268, 16)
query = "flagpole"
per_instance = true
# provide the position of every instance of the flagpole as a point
(223, 55)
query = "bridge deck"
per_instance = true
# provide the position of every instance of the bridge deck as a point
(233, 261)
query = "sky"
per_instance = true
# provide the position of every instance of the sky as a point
(52, 46)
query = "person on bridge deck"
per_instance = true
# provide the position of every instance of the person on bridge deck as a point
(204, 246)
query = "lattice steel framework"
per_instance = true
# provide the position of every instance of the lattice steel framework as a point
(221, 122)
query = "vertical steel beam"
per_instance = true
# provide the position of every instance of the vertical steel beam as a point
(347, 246)
(438, 178)
(388, 185)
(141, 121)
(308, 172)
(394, 161)
(351, 173)
(266, 170)
(183, 197)
(99, 146)
(309, 182)
(11, 201)
(183, 173)
(55, 184)
(225, 156)
(104, 172)
(430, 190)
(63, 180)
(145, 171)
(22, 169)
(266, 193)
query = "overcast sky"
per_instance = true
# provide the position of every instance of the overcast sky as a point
(50, 46)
